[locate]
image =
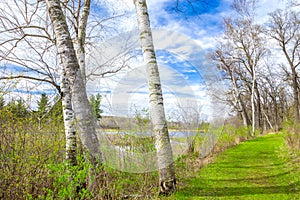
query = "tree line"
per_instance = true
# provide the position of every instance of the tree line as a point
(260, 63)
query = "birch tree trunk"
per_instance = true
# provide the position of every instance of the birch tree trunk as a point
(69, 120)
(81, 38)
(165, 163)
(80, 103)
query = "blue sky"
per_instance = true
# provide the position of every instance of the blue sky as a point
(199, 23)
(182, 65)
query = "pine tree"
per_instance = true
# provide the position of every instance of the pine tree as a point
(2, 102)
(42, 104)
(95, 101)
(18, 108)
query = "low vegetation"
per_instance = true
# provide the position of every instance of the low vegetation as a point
(32, 159)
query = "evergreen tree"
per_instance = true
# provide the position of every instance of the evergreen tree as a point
(2, 102)
(56, 110)
(42, 104)
(18, 108)
(95, 101)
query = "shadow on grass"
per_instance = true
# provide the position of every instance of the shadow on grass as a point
(237, 191)
(250, 179)
(240, 166)
(239, 173)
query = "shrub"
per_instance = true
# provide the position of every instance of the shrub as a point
(291, 130)
(231, 136)
(25, 152)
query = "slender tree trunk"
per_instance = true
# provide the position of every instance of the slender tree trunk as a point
(165, 163)
(240, 102)
(244, 113)
(80, 103)
(258, 108)
(267, 123)
(294, 81)
(81, 38)
(69, 120)
(253, 104)
(276, 116)
(296, 95)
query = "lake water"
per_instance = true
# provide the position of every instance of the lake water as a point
(177, 134)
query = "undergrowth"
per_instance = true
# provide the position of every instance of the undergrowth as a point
(32, 159)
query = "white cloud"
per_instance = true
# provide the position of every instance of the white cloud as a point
(265, 7)
(202, 29)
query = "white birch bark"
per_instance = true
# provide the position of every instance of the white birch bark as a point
(81, 38)
(165, 163)
(69, 120)
(80, 103)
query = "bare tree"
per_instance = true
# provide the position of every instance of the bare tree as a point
(189, 116)
(167, 182)
(26, 43)
(86, 32)
(273, 87)
(248, 48)
(284, 27)
(231, 68)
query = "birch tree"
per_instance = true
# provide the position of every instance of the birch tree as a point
(80, 103)
(77, 13)
(81, 38)
(79, 20)
(28, 28)
(27, 42)
(167, 182)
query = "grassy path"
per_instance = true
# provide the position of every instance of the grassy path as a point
(251, 170)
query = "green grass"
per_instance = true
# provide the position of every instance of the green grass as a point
(251, 170)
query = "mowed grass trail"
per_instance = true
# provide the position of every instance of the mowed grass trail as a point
(250, 170)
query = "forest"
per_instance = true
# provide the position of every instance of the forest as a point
(241, 140)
